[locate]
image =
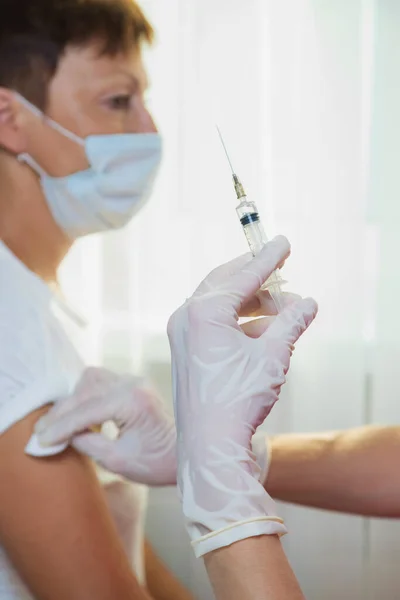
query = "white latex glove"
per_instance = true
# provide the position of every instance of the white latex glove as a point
(145, 450)
(225, 384)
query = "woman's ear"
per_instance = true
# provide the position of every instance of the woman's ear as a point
(12, 136)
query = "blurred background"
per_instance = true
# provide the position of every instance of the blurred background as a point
(307, 95)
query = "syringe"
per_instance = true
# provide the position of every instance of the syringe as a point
(256, 238)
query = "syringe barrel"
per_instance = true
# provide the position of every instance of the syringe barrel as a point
(256, 239)
(255, 235)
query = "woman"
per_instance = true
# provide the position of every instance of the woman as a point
(84, 167)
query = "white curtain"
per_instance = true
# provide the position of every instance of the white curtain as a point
(307, 94)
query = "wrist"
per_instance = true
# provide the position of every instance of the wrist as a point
(223, 499)
(262, 448)
(240, 530)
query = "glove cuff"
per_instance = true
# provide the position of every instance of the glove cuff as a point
(235, 532)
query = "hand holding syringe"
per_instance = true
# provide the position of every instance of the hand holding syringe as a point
(256, 238)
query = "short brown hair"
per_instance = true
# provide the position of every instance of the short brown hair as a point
(35, 33)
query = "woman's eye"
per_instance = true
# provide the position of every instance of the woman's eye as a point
(122, 102)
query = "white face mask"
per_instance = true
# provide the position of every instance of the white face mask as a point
(111, 191)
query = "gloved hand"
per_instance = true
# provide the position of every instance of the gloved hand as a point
(225, 384)
(145, 450)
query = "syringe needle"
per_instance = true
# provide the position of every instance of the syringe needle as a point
(253, 229)
(224, 147)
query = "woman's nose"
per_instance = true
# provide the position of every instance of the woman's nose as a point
(143, 122)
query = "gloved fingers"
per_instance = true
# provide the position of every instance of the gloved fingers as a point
(222, 273)
(256, 327)
(55, 429)
(57, 412)
(94, 383)
(98, 381)
(262, 304)
(97, 447)
(292, 322)
(93, 379)
(244, 284)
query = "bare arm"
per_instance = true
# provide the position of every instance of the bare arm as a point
(252, 569)
(161, 583)
(55, 525)
(353, 471)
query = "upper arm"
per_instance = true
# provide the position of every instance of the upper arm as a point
(55, 525)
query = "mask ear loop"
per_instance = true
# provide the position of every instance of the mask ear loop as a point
(39, 113)
(27, 159)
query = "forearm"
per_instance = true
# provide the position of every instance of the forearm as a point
(161, 583)
(252, 569)
(354, 471)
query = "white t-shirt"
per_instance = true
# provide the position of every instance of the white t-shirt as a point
(39, 364)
